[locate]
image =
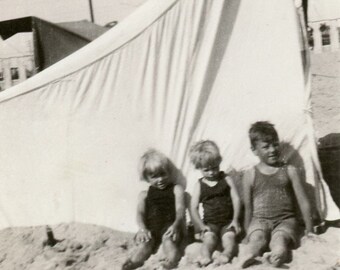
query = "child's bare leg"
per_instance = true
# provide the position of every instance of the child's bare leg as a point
(171, 252)
(257, 242)
(228, 243)
(208, 247)
(143, 252)
(279, 249)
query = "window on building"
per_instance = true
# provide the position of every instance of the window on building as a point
(14, 73)
(1, 75)
(325, 34)
(338, 33)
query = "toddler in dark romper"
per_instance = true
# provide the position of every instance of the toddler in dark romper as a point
(217, 193)
(217, 205)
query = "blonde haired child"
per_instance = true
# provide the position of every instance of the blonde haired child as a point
(221, 204)
(160, 212)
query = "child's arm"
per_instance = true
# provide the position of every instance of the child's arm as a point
(236, 204)
(301, 198)
(143, 234)
(180, 204)
(180, 211)
(194, 208)
(248, 180)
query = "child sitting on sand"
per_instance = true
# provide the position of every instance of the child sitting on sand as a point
(160, 212)
(270, 189)
(221, 204)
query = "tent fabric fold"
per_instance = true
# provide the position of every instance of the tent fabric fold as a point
(174, 72)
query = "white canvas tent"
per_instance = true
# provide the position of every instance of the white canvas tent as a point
(174, 72)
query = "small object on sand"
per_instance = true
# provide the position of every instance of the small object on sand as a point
(124, 245)
(51, 241)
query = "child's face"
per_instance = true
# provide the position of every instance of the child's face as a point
(211, 171)
(159, 179)
(268, 151)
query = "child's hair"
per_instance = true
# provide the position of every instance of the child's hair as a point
(262, 131)
(204, 153)
(153, 162)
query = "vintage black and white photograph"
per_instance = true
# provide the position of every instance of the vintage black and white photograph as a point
(169, 134)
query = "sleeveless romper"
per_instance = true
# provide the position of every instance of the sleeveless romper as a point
(273, 195)
(274, 204)
(217, 204)
(160, 210)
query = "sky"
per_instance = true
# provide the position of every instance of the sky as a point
(110, 10)
(69, 10)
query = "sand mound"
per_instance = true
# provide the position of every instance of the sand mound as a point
(80, 246)
(83, 246)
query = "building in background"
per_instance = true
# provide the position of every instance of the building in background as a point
(31, 45)
(324, 25)
(324, 35)
(16, 59)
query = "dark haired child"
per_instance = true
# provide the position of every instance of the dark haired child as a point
(270, 191)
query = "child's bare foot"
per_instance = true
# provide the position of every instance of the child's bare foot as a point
(246, 261)
(129, 265)
(203, 261)
(266, 257)
(223, 259)
(274, 259)
(167, 264)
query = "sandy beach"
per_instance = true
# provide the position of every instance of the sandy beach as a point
(325, 69)
(85, 246)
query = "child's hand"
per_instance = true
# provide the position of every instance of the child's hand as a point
(311, 237)
(204, 229)
(236, 226)
(143, 236)
(172, 232)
